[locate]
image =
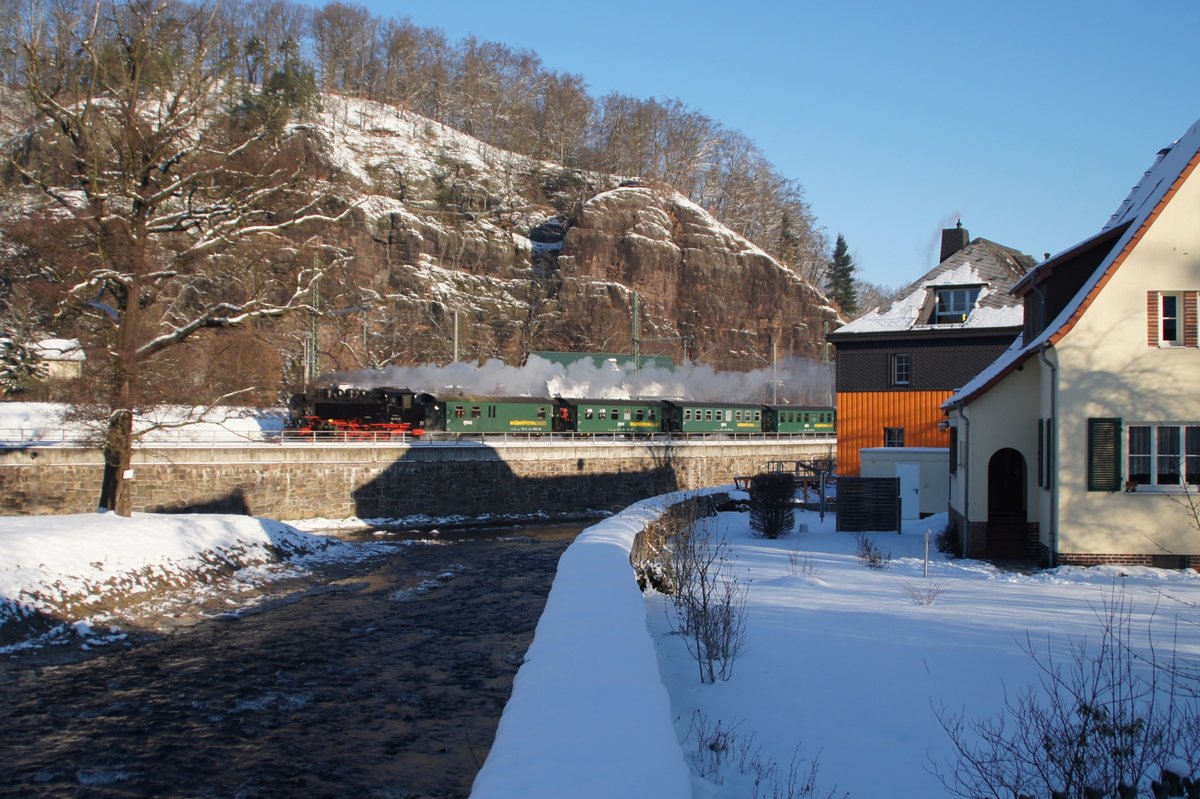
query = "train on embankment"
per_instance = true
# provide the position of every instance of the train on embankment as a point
(375, 413)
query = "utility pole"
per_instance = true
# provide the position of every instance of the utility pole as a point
(637, 335)
(774, 375)
(313, 361)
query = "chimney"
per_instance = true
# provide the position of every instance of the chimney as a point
(953, 240)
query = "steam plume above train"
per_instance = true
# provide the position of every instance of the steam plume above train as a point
(793, 380)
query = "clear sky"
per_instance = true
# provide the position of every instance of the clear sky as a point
(1030, 121)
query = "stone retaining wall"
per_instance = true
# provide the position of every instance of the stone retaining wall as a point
(297, 482)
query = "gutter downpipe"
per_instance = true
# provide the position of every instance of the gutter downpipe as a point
(1051, 455)
(966, 445)
(1051, 448)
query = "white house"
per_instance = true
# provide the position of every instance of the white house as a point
(62, 358)
(1081, 443)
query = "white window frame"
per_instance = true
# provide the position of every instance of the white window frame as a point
(1149, 456)
(1175, 319)
(890, 436)
(953, 304)
(901, 368)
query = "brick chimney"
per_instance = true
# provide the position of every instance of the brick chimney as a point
(953, 240)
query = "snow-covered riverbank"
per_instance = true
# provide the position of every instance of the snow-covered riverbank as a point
(80, 571)
(843, 664)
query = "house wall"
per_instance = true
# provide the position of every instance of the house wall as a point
(1109, 370)
(939, 359)
(1004, 417)
(862, 416)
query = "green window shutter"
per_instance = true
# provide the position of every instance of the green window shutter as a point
(1104, 455)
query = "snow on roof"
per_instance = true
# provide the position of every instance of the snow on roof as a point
(1137, 210)
(982, 263)
(60, 349)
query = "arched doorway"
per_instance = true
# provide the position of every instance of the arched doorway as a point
(1007, 531)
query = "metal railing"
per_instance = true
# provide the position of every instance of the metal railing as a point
(182, 438)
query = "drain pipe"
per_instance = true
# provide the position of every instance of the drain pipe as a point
(1049, 449)
(965, 443)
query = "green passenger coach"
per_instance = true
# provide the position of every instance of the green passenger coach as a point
(631, 417)
(498, 415)
(712, 417)
(800, 419)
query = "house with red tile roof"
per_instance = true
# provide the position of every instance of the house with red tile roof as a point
(1081, 443)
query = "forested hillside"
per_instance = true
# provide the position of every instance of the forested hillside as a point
(224, 201)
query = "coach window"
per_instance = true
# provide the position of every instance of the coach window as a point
(604, 413)
(587, 413)
(541, 412)
(459, 412)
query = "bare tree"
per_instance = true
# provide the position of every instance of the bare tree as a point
(565, 112)
(163, 214)
(345, 46)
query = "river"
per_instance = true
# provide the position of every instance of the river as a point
(386, 679)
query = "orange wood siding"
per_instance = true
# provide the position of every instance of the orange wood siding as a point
(863, 415)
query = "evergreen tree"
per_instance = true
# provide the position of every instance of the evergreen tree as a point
(20, 359)
(841, 277)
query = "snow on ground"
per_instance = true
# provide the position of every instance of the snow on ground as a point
(25, 423)
(843, 664)
(73, 572)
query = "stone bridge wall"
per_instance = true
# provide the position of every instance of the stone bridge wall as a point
(297, 482)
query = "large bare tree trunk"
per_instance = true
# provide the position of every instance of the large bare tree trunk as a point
(115, 494)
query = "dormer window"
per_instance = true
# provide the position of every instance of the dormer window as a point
(953, 305)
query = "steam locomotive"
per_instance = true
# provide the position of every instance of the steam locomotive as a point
(400, 412)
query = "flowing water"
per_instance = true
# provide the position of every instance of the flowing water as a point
(385, 679)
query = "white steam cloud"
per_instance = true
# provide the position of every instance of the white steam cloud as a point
(796, 381)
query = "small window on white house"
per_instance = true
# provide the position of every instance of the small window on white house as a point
(1170, 320)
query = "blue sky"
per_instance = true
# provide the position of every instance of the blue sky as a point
(1030, 121)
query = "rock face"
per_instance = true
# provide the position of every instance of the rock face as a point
(457, 243)
(533, 256)
(696, 279)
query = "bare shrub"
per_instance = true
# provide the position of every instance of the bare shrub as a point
(800, 565)
(708, 600)
(1099, 723)
(717, 744)
(871, 554)
(925, 593)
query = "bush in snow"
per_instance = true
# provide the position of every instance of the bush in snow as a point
(948, 542)
(720, 747)
(871, 554)
(772, 511)
(708, 601)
